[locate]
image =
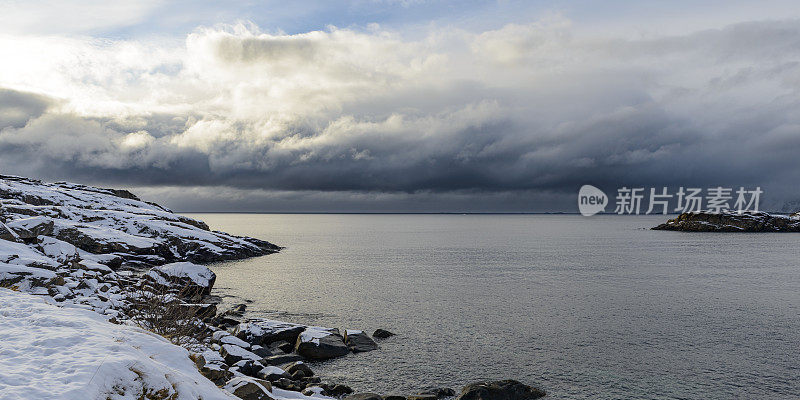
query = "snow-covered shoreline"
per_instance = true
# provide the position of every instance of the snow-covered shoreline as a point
(98, 288)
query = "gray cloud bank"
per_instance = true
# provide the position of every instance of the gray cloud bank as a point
(509, 120)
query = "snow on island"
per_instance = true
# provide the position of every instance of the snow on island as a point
(732, 222)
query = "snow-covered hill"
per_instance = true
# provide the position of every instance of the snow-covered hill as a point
(114, 223)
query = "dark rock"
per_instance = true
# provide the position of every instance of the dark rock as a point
(249, 388)
(261, 351)
(213, 366)
(298, 375)
(438, 392)
(340, 390)
(422, 397)
(394, 397)
(233, 354)
(238, 309)
(732, 222)
(358, 341)
(382, 334)
(282, 345)
(364, 396)
(265, 332)
(299, 366)
(320, 345)
(272, 374)
(281, 359)
(500, 390)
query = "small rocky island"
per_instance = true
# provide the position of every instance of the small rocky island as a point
(137, 265)
(732, 222)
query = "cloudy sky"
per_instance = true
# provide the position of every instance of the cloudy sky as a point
(371, 105)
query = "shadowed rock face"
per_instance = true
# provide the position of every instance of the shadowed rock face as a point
(110, 221)
(732, 222)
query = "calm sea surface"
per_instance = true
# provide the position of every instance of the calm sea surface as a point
(596, 307)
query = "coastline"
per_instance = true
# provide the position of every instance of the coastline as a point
(133, 263)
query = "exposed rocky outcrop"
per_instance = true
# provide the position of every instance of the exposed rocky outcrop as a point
(732, 222)
(500, 390)
(358, 341)
(382, 334)
(110, 221)
(321, 344)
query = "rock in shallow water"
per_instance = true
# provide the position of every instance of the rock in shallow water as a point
(358, 341)
(500, 390)
(382, 334)
(320, 344)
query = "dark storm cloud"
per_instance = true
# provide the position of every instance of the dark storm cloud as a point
(707, 109)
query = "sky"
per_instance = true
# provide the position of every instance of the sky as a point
(401, 106)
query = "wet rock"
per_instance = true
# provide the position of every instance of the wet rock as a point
(437, 392)
(238, 309)
(340, 390)
(364, 396)
(299, 366)
(321, 344)
(358, 341)
(382, 334)
(500, 390)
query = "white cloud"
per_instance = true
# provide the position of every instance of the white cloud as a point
(522, 107)
(70, 16)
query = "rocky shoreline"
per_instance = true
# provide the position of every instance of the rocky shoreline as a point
(732, 222)
(137, 263)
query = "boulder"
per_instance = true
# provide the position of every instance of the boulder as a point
(382, 334)
(500, 390)
(265, 331)
(225, 337)
(282, 345)
(58, 250)
(189, 278)
(299, 366)
(261, 351)
(340, 390)
(249, 367)
(358, 341)
(437, 392)
(248, 388)
(320, 344)
(213, 366)
(233, 354)
(271, 373)
(364, 396)
(281, 359)
(29, 228)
